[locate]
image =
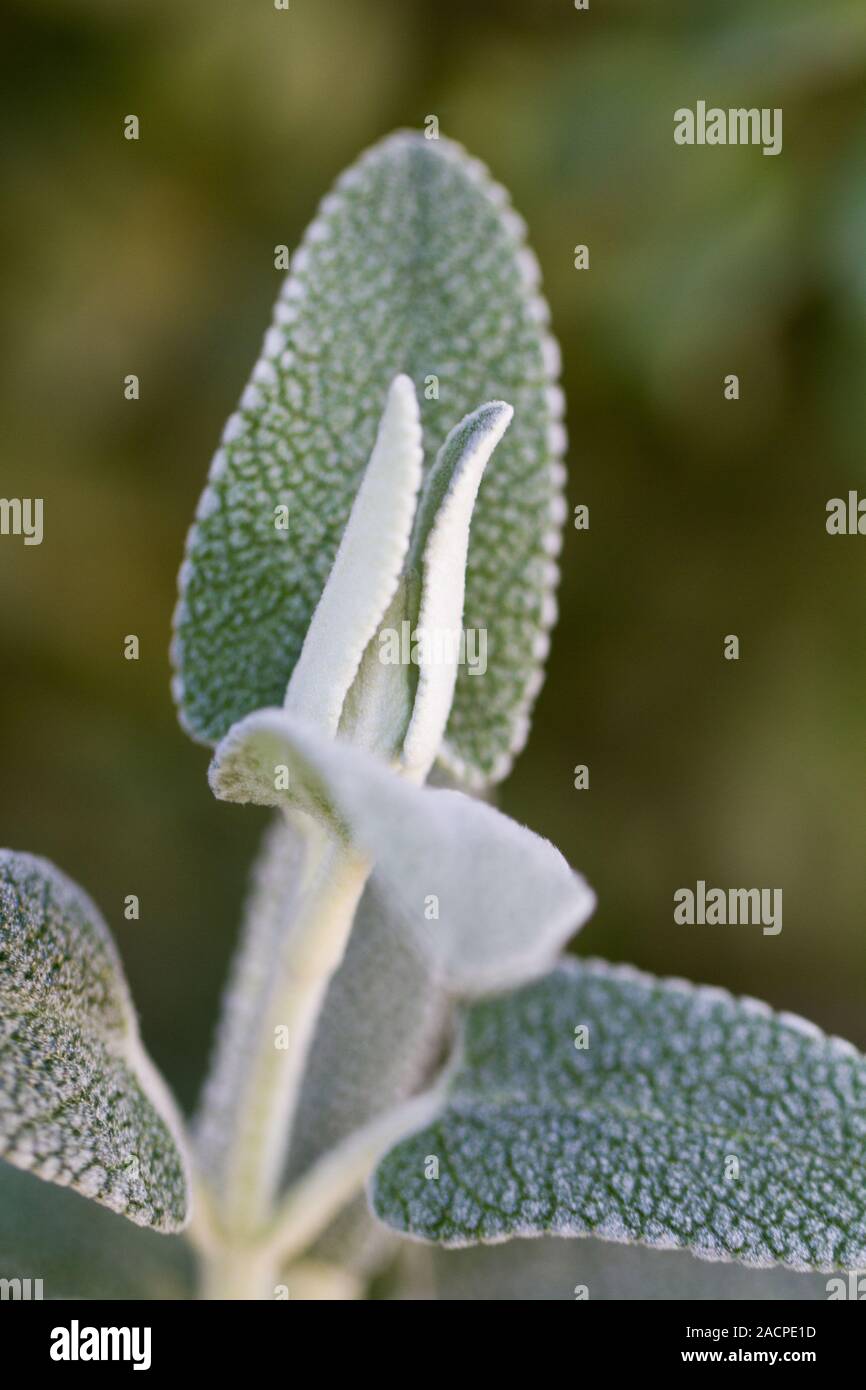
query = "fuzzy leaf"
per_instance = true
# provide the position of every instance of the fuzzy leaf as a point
(506, 899)
(80, 1102)
(366, 1060)
(398, 708)
(633, 1138)
(439, 548)
(367, 568)
(378, 707)
(414, 264)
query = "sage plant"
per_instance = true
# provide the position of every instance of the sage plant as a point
(404, 1052)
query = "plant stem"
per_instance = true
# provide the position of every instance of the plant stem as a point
(315, 1198)
(238, 1272)
(299, 918)
(322, 912)
(234, 1270)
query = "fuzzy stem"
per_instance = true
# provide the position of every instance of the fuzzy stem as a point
(305, 892)
(334, 878)
(238, 1272)
(315, 1199)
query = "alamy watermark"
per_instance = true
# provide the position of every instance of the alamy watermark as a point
(21, 1290)
(739, 125)
(77, 1343)
(719, 907)
(22, 516)
(422, 646)
(851, 1286)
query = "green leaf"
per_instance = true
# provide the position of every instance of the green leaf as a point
(414, 264)
(633, 1138)
(80, 1102)
(489, 902)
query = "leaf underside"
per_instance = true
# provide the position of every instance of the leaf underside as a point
(414, 264)
(382, 1026)
(73, 1109)
(632, 1139)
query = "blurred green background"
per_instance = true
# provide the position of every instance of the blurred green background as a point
(707, 517)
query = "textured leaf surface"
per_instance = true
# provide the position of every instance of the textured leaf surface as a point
(488, 901)
(631, 1139)
(80, 1103)
(415, 264)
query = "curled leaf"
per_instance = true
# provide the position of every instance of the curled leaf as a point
(439, 549)
(489, 901)
(400, 699)
(367, 568)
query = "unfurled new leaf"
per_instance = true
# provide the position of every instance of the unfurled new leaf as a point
(80, 1103)
(684, 1117)
(414, 265)
(367, 568)
(380, 661)
(440, 544)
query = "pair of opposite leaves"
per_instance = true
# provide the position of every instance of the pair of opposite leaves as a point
(416, 265)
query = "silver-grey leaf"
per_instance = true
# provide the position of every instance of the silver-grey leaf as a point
(382, 1028)
(691, 1119)
(80, 1102)
(417, 265)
